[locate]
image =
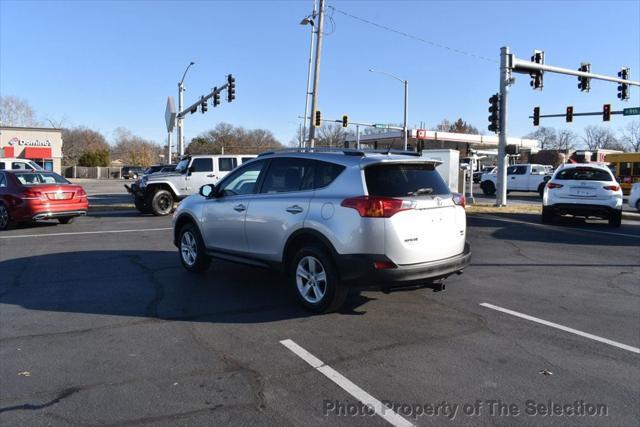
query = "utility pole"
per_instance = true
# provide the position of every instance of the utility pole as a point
(406, 111)
(180, 123)
(308, 21)
(169, 147)
(505, 81)
(316, 73)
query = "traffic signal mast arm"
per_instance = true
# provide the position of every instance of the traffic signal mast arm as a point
(372, 125)
(524, 66)
(195, 105)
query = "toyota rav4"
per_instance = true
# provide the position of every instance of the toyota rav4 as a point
(331, 221)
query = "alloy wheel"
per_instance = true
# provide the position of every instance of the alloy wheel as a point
(188, 248)
(4, 217)
(311, 279)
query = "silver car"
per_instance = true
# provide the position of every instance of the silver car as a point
(333, 221)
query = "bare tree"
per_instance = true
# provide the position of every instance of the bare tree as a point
(443, 126)
(630, 135)
(596, 137)
(459, 126)
(298, 139)
(134, 150)
(78, 141)
(233, 140)
(566, 140)
(547, 137)
(331, 135)
(15, 111)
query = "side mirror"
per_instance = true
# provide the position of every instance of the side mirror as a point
(207, 190)
(190, 170)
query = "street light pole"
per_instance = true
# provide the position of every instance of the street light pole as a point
(309, 20)
(316, 73)
(180, 124)
(406, 102)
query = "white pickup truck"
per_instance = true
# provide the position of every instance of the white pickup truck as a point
(524, 177)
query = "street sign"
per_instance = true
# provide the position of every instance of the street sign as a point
(421, 133)
(380, 126)
(635, 111)
(170, 114)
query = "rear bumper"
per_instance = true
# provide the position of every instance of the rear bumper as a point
(56, 214)
(359, 270)
(586, 210)
(36, 211)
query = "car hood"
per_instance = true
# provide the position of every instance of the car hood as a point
(159, 176)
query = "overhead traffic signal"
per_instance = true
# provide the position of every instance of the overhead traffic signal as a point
(585, 82)
(216, 97)
(536, 116)
(317, 119)
(231, 88)
(203, 105)
(606, 112)
(569, 115)
(623, 88)
(536, 76)
(345, 121)
(494, 109)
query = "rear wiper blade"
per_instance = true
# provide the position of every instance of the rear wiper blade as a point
(419, 191)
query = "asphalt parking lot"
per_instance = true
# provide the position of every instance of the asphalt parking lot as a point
(100, 325)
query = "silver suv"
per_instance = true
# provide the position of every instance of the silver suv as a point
(333, 222)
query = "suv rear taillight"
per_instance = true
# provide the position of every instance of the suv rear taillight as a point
(553, 185)
(459, 199)
(377, 207)
(612, 187)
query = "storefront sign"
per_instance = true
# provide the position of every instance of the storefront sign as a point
(32, 143)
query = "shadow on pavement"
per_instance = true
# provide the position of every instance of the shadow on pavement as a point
(508, 229)
(149, 284)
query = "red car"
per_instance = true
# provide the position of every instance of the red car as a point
(30, 195)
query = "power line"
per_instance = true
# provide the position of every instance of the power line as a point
(411, 36)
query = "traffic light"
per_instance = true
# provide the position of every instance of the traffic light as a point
(318, 119)
(536, 76)
(231, 88)
(569, 114)
(606, 112)
(203, 105)
(623, 88)
(216, 97)
(345, 121)
(585, 82)
(494, 109)
(536, 116)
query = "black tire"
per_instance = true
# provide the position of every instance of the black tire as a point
(192, 250)
(5, 218)
(142, 205)
(541, 190)
(638, 205)
(547, 215)
(488, 188)
(66, 220)
(161, 202)
(329, 294)
(615, 219)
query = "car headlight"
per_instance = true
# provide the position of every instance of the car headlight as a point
(143, 181)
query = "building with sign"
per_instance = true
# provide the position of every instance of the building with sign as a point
(42, 145)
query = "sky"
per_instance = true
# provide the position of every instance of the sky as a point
(109, 64)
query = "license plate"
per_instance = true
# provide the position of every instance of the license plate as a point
(59, 196)
(582, 192)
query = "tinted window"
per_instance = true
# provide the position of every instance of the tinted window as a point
(287, 174)
(242, 181)
(325, 173)
(636, 169)
(246, 159)
(3, 180)
(584, 174)
(625, 168)
(516, 170)
(1, 165)
(401, 180)
(19, 165)
(202, 165)
(40, 178)
(225, 164)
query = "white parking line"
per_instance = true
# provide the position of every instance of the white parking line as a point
(380, 409)
(563, 328)
(139, 230)
(560, 228)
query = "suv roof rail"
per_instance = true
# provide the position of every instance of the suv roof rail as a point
(345, 151)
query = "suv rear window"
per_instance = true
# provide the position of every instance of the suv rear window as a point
(584, 174)
(402, 180)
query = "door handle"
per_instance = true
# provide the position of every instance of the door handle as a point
(239, 208)
(211, 175)
(513, 177)
(295, 209)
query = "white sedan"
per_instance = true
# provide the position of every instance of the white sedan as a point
(585, 190)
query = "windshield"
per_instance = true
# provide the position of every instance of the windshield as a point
(37, 178)
(182, 165)
(405, 179)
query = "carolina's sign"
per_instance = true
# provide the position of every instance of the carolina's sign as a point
(34, 143)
